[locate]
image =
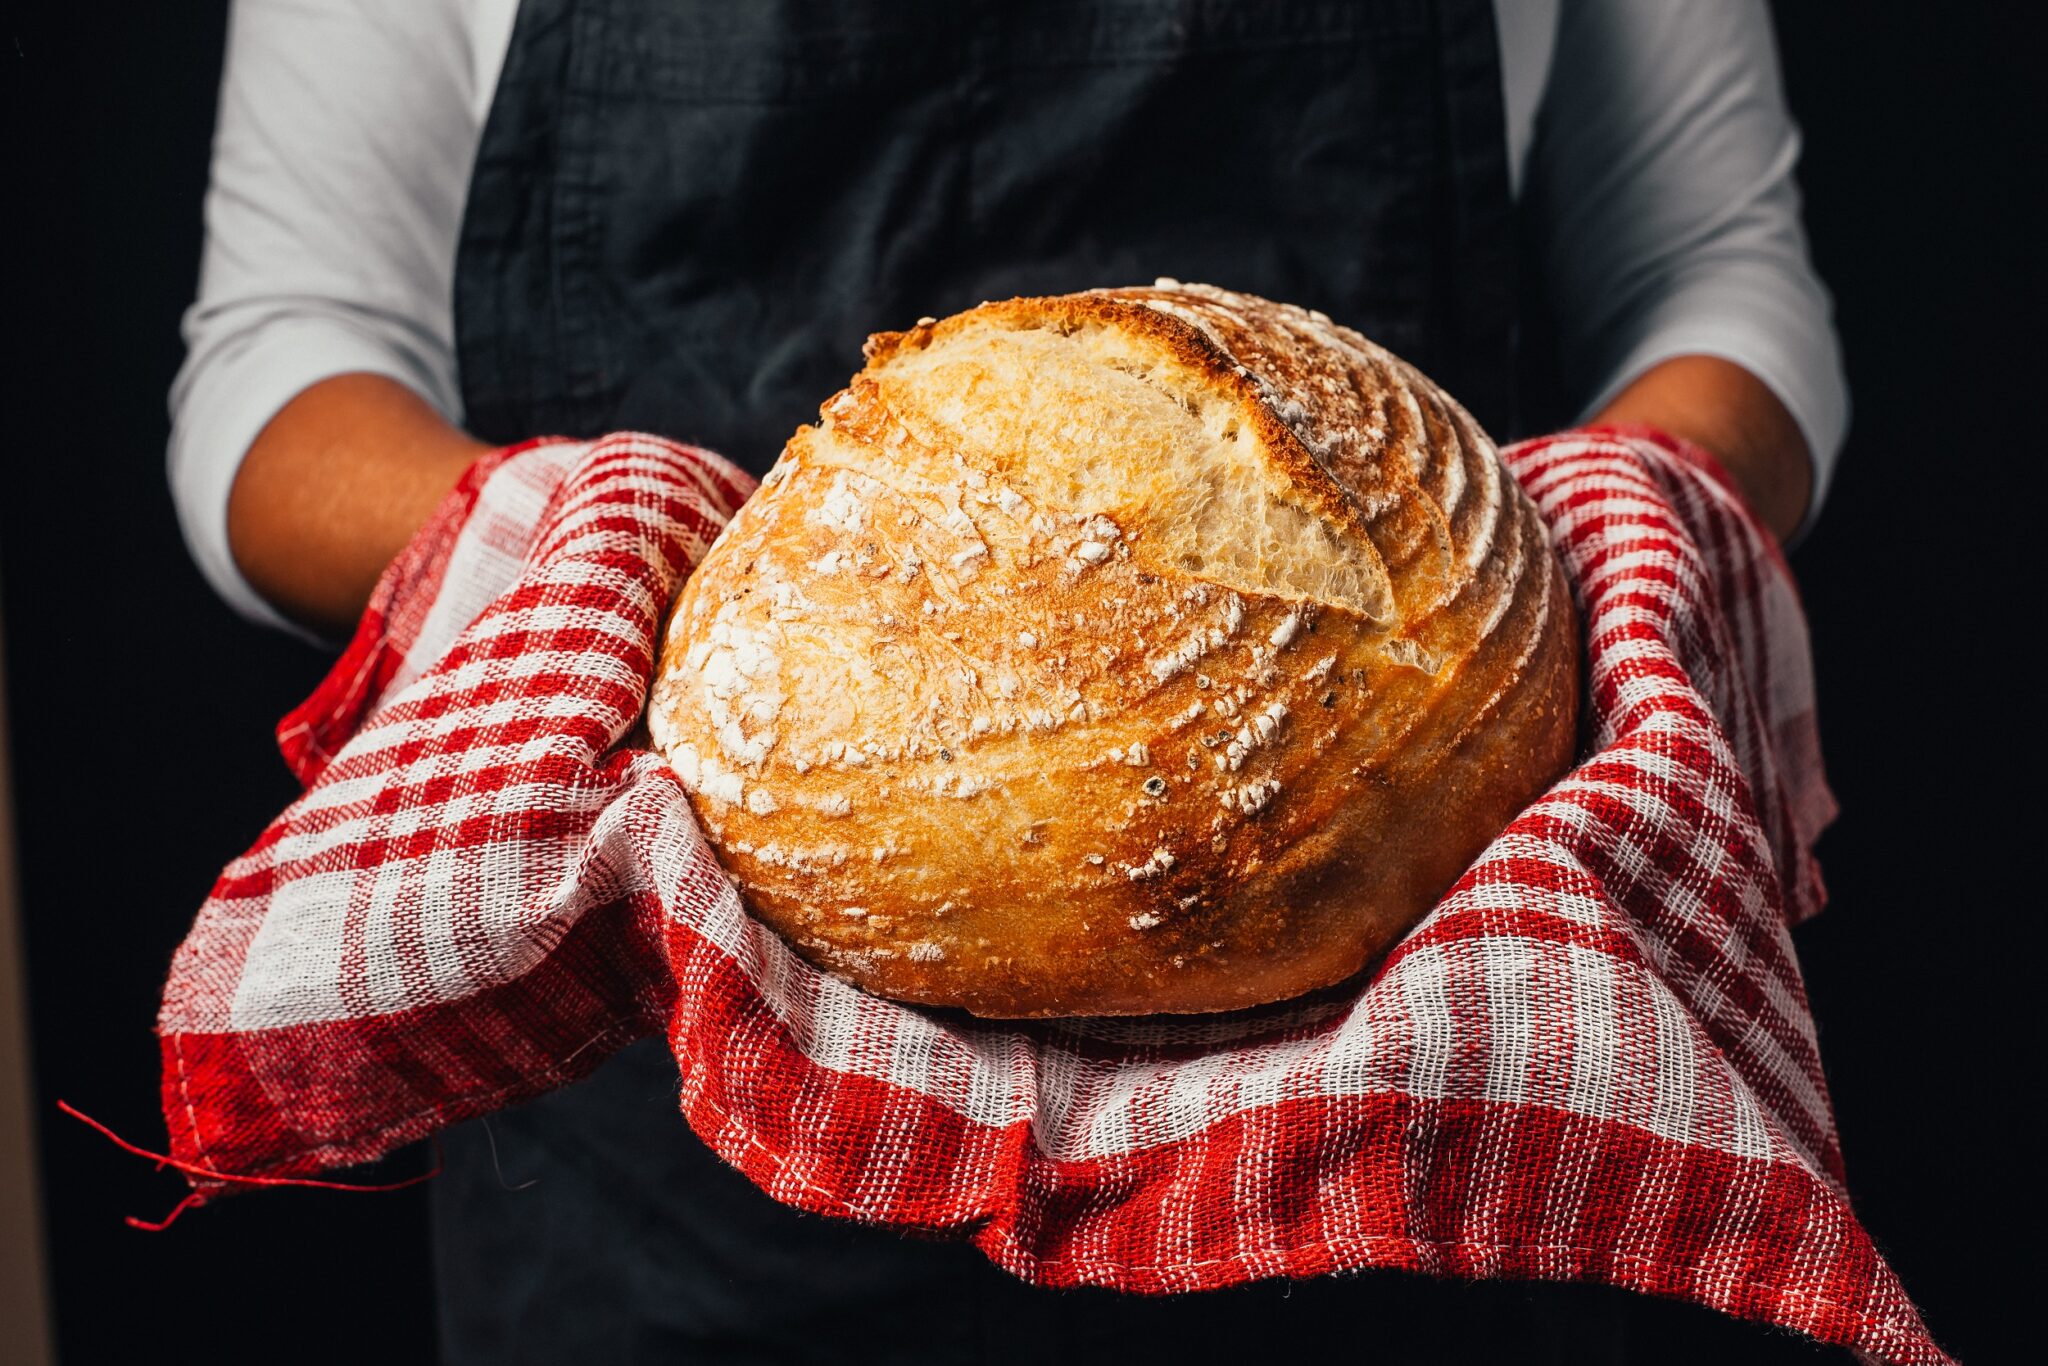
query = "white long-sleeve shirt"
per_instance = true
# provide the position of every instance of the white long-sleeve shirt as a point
(1651, 134)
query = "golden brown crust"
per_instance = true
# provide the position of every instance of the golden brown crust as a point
(1142, 650)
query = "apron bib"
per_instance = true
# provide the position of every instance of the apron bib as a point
(686, 217)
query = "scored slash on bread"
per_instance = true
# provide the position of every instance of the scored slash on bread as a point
(1138, 650)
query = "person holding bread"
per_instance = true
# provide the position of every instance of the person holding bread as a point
(436, 227)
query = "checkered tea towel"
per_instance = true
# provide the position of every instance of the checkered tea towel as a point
(1594, 1060)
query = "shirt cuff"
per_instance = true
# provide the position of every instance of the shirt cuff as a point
(222, 401)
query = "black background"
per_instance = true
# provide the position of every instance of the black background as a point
(139, 703)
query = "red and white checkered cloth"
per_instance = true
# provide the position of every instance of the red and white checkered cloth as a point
(1593, 1061)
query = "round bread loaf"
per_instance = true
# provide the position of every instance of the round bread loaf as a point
(1140, 650)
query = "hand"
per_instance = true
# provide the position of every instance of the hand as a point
(1718, 405)
(333, 487)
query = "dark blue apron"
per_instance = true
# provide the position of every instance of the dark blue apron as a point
(684, 218)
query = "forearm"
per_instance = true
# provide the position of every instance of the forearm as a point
(1664, 215)
(332, 489)
(1721, 406)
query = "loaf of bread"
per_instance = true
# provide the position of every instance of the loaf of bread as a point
(1139, 650)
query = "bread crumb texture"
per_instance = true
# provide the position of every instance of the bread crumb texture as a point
(1154, 649)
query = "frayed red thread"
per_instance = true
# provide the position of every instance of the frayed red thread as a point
(163, 1160)
(191, 1199)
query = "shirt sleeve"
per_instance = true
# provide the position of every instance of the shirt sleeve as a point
(1661, 178)
(341, 162)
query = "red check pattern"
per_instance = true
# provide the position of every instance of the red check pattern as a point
(1594, 1059)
